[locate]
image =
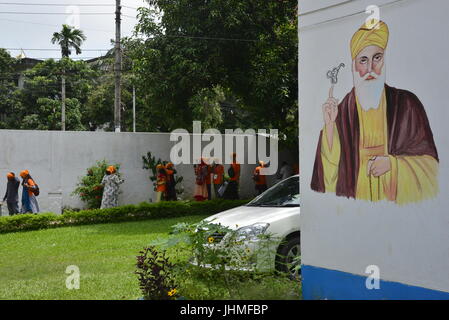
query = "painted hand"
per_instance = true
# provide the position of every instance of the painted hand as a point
(330, 108)
(378, 166)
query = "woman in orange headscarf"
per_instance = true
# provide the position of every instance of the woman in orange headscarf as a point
(29, 192)
(161, 182)
(260, 179)
(110, 182)
(232, 189)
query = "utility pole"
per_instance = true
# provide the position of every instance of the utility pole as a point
(118, 67)
(63, 101)
(134, 108)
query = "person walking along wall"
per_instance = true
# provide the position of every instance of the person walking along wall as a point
(12, 194)
(232, 190)
(111, 183)
(171, 182)
(161, 183)
(218, 172)
(201, 172)
(29, 191)
(260, 179)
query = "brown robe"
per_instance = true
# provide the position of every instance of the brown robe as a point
(409, 134)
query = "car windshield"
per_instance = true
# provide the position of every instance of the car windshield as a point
(283, 194)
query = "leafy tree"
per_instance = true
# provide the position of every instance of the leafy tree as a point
(69, 38)
(9, 99)
(184, 49)
(100, 104)
(41, 97)
(47, 115)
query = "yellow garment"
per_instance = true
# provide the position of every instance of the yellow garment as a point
(411, 178)
(373, 133)
(364, 37)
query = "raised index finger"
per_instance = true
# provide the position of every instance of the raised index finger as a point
(331, 92)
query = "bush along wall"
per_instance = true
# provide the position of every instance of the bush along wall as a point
(143, 211)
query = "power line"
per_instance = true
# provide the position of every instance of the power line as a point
(64, 4)
(54, 49)
(57, 13)
(55, 4)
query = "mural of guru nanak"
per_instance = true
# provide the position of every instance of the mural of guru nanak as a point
(377, 143)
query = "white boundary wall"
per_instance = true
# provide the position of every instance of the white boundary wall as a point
(57, 159)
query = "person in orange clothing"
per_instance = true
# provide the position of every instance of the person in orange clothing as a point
(218, 177)
(29, 191)
(170, 186)
(201, 172)
(232, 190)
(260, 179)
(208, 180)
(161, 182)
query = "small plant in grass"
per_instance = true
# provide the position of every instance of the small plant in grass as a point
(221, 264)
(155, 275)
(89, 187)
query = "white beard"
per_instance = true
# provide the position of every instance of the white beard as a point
(369, 92)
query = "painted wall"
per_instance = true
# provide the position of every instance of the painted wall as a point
(56, 160)
(409, 243)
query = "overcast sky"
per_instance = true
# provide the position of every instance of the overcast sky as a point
(34, 31)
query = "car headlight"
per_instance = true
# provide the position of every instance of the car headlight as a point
(250, 232)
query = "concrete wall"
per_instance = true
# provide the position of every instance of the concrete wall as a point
(341, 237)
(56, 160)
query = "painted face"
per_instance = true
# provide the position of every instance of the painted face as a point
(369, 60)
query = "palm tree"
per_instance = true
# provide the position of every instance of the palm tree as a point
(68, 38)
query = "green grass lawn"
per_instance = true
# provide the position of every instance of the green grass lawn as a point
(33, 264)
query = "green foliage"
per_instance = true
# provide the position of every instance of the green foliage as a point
(183, 50)
(69, 38)
(143, 211)
(50, 111)
(222, 266)
(106, 254)
(9, 99)
(156, 279)
(100, 104)
(150, 163)
(90, 189)
(38, 104)
(206, 107)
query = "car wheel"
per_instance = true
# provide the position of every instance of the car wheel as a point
(288, 259)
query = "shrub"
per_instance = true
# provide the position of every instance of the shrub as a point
(155, 275)
(90, 189)
(142, 211)
(227, 269)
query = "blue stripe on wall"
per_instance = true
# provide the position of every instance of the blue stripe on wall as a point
(320, 283)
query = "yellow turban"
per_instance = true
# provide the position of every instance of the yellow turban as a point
(377, 35)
